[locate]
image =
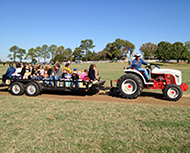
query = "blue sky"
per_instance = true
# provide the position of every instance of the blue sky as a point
(32, 23)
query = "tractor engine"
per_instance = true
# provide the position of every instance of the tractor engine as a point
(169, 76)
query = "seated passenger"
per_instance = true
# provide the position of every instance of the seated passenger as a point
(23, 69)
(84, 74)
(75, 78)
(27, 72)
(67, 77)
(31, 69)
(64, 73)
(67, 67)
(36, 75)
(48, 69)
(96, 73)
(79, 74)
(8, 73)
(56, 75)
(41, 69)
(91, 73)
(137, 62)
(45, 77)
(17, 74)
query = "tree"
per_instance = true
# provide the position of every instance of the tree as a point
(14, 50)
(78, 53)
(86, 45)
(52, 50)
(31, 54)
(38, 52)
(119, 49)
(102, 55)
(69, 54)
(163, 51)
(45, 52)
(20, 53)
(93, 56)
(148, 50)
(179, 51)
(187, 44)
(59, 58)
(60, 50)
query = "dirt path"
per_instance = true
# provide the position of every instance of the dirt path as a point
(146, 98)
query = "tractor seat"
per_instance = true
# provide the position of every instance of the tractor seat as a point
(142, 72)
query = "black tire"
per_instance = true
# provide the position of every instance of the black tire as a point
(93, 90)
(172, 92)
(17, 88)
(32, 89)
(130, 86)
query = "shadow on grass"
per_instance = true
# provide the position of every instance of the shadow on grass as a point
(113, 92)
(152, 94)
(4, 89)
(67, 93)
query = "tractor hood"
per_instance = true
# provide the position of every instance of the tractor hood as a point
(166, 71)
(175, 73)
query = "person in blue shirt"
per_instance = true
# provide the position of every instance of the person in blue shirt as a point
(137, 62)
(9, 73)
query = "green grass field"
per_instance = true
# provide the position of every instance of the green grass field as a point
(33, 124)
(41, 125)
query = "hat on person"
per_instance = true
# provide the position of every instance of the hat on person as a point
(137, 55)
(75, 69)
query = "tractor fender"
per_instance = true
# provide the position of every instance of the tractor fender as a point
(136, 73)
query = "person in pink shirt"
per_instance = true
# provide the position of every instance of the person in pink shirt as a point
(85, 73)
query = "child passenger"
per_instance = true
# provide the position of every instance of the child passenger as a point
(27, 72)
(75, 78)
(45, 77)
(85, 73)
(67, 78)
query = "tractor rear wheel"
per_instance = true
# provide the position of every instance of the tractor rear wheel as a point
(172, 92)
(130, 86)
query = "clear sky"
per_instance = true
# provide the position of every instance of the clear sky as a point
(32, 23)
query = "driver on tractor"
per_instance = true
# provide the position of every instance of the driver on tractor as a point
(136, 64)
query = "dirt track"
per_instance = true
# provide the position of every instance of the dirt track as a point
(145, 98)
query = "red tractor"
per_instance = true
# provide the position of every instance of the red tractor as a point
(131, 84)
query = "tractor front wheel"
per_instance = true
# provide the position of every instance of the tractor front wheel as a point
(130, 86)
(172, 92)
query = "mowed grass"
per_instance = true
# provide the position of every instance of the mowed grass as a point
(49, 125)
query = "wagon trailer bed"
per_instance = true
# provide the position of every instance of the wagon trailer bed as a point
(35, 87)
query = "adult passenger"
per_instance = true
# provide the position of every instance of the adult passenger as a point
(8, 73)
(23, 69)
(17, 74)
(96, 72)
(56, 75)
(91, 73)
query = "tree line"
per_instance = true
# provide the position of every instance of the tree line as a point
(119, 49)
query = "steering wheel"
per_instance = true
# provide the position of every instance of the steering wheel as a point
(149, 66)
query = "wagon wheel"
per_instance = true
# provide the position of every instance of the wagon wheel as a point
(32, 89)
(17, 88)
